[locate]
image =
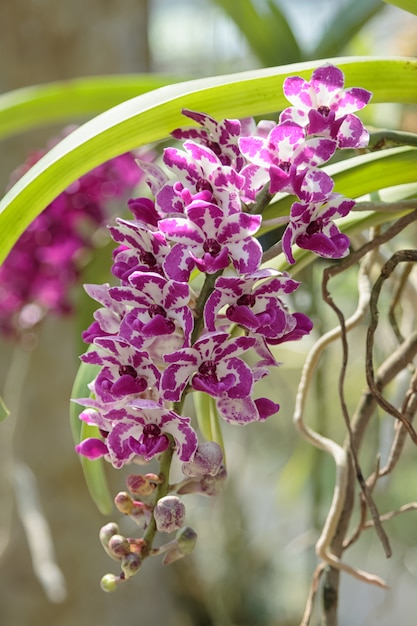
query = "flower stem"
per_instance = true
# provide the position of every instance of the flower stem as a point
(160, 492)
(206, 290)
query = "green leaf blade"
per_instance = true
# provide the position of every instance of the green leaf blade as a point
(68, 101)
(4, 411)
(405, 5)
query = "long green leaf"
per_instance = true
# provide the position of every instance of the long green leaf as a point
(406, 5)
(71, 100)
(4, 411)
(151, 116)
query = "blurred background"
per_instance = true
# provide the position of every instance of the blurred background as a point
(255, 554)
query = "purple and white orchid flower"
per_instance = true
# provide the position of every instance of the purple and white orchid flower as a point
(210, 240)
(290, 161)
(221, 137)
(211, 365)
(141, 430)
(312, 227)
(158, 307)
(127, 373)
(325, 108)
(259, 310)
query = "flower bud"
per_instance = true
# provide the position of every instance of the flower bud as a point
(184, 544)
(124, 502)
(186, 539)
(139, 485)
(109, 583)
(171, 555)
(107, 532)
(207, 485)
(169, 514)
(131, 564)
(213, 485)
(119, 546)
(207, 460)
(136, 545)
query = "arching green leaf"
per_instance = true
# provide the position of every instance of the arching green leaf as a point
(70, 100)
(406, 5)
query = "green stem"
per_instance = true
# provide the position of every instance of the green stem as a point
(382, 139)
(206, 290)
(161, 491)
(262, 201)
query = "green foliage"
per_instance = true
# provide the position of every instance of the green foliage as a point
(58, 102)
(271, 39)
(4, 411)
(406, 5)
(345, 25)
(268, 34)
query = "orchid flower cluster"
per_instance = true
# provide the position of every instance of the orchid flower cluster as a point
(194, 311)
(45, 263)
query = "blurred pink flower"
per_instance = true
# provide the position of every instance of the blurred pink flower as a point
(45, 263)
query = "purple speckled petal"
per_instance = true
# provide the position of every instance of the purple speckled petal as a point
(255, 148)
(316, 186)
(155, 176)
(181, 164)
(351, 100)
(298, 92)
(201, 154)
(352, 133)
(181, 230)
(246, 255)
(242, 375)
(315, 151)
(178, 264)
(176, 376)
(237, 410)
(185, 437)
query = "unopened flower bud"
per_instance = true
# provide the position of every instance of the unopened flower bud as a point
(171, 555)
(213, 485)
(183, 544)
(107, 532)
(109, 582)
(139, 485)
(207, 460)
(136, 545)
(124, 502)
(186, 539)
(119, 546)
(131, 564)
(169, 514)
(207, 485)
